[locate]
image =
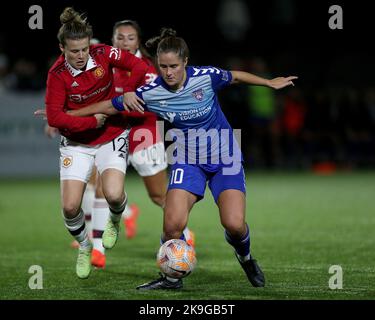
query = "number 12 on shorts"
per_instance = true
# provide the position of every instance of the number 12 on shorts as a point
(177, 176)
(121, 146)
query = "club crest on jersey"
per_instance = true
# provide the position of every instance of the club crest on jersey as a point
(198, 94)
(67, 162)
(99, 72)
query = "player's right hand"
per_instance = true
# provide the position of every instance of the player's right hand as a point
(100, 119)
(132, 102)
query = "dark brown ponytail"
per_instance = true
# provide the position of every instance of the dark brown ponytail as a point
(74, 26)
(168, 41)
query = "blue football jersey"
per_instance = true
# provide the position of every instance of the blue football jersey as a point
(201, 133)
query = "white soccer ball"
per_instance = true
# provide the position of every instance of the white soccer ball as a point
(176, 258)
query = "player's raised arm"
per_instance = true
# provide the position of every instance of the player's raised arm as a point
(249, 78)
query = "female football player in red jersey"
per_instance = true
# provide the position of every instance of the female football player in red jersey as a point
(146, 150)
(80, 76)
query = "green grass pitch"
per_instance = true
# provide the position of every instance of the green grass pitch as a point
(300, 225)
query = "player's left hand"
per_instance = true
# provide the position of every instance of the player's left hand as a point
(50, 132)
(41, 113)
(132, 102)
(281, 82)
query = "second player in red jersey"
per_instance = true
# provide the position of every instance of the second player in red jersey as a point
(140, 121)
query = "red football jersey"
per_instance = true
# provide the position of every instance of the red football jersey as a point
(138, 120)
(70, 89)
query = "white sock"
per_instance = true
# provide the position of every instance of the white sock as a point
(100, 214)
(87, 204)
(77, 228)
(186, 233)
(127, 212)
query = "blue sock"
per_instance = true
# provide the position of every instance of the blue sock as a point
(242, 245)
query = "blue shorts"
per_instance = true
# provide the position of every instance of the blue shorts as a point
(193, 178)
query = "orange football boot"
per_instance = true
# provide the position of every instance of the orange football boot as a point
(131, 222)
(97, 259)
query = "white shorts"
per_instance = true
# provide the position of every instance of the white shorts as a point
(77, 160)
(149, 161)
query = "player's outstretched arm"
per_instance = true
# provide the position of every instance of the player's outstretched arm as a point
(249, 78)
(103, 107)
(51, 132)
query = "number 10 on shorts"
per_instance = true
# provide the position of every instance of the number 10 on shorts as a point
(177, 176)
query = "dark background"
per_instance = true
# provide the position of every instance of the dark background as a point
(335, 92)
(306, 37)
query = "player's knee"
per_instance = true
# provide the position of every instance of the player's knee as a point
(70, 210)
(234, 227)
(114, 197)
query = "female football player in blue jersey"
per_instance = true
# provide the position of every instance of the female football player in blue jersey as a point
(204, 145)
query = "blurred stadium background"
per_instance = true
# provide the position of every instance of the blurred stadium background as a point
(309, 150)
(327, 121)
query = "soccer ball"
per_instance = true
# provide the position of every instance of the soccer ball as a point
(176, 258)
